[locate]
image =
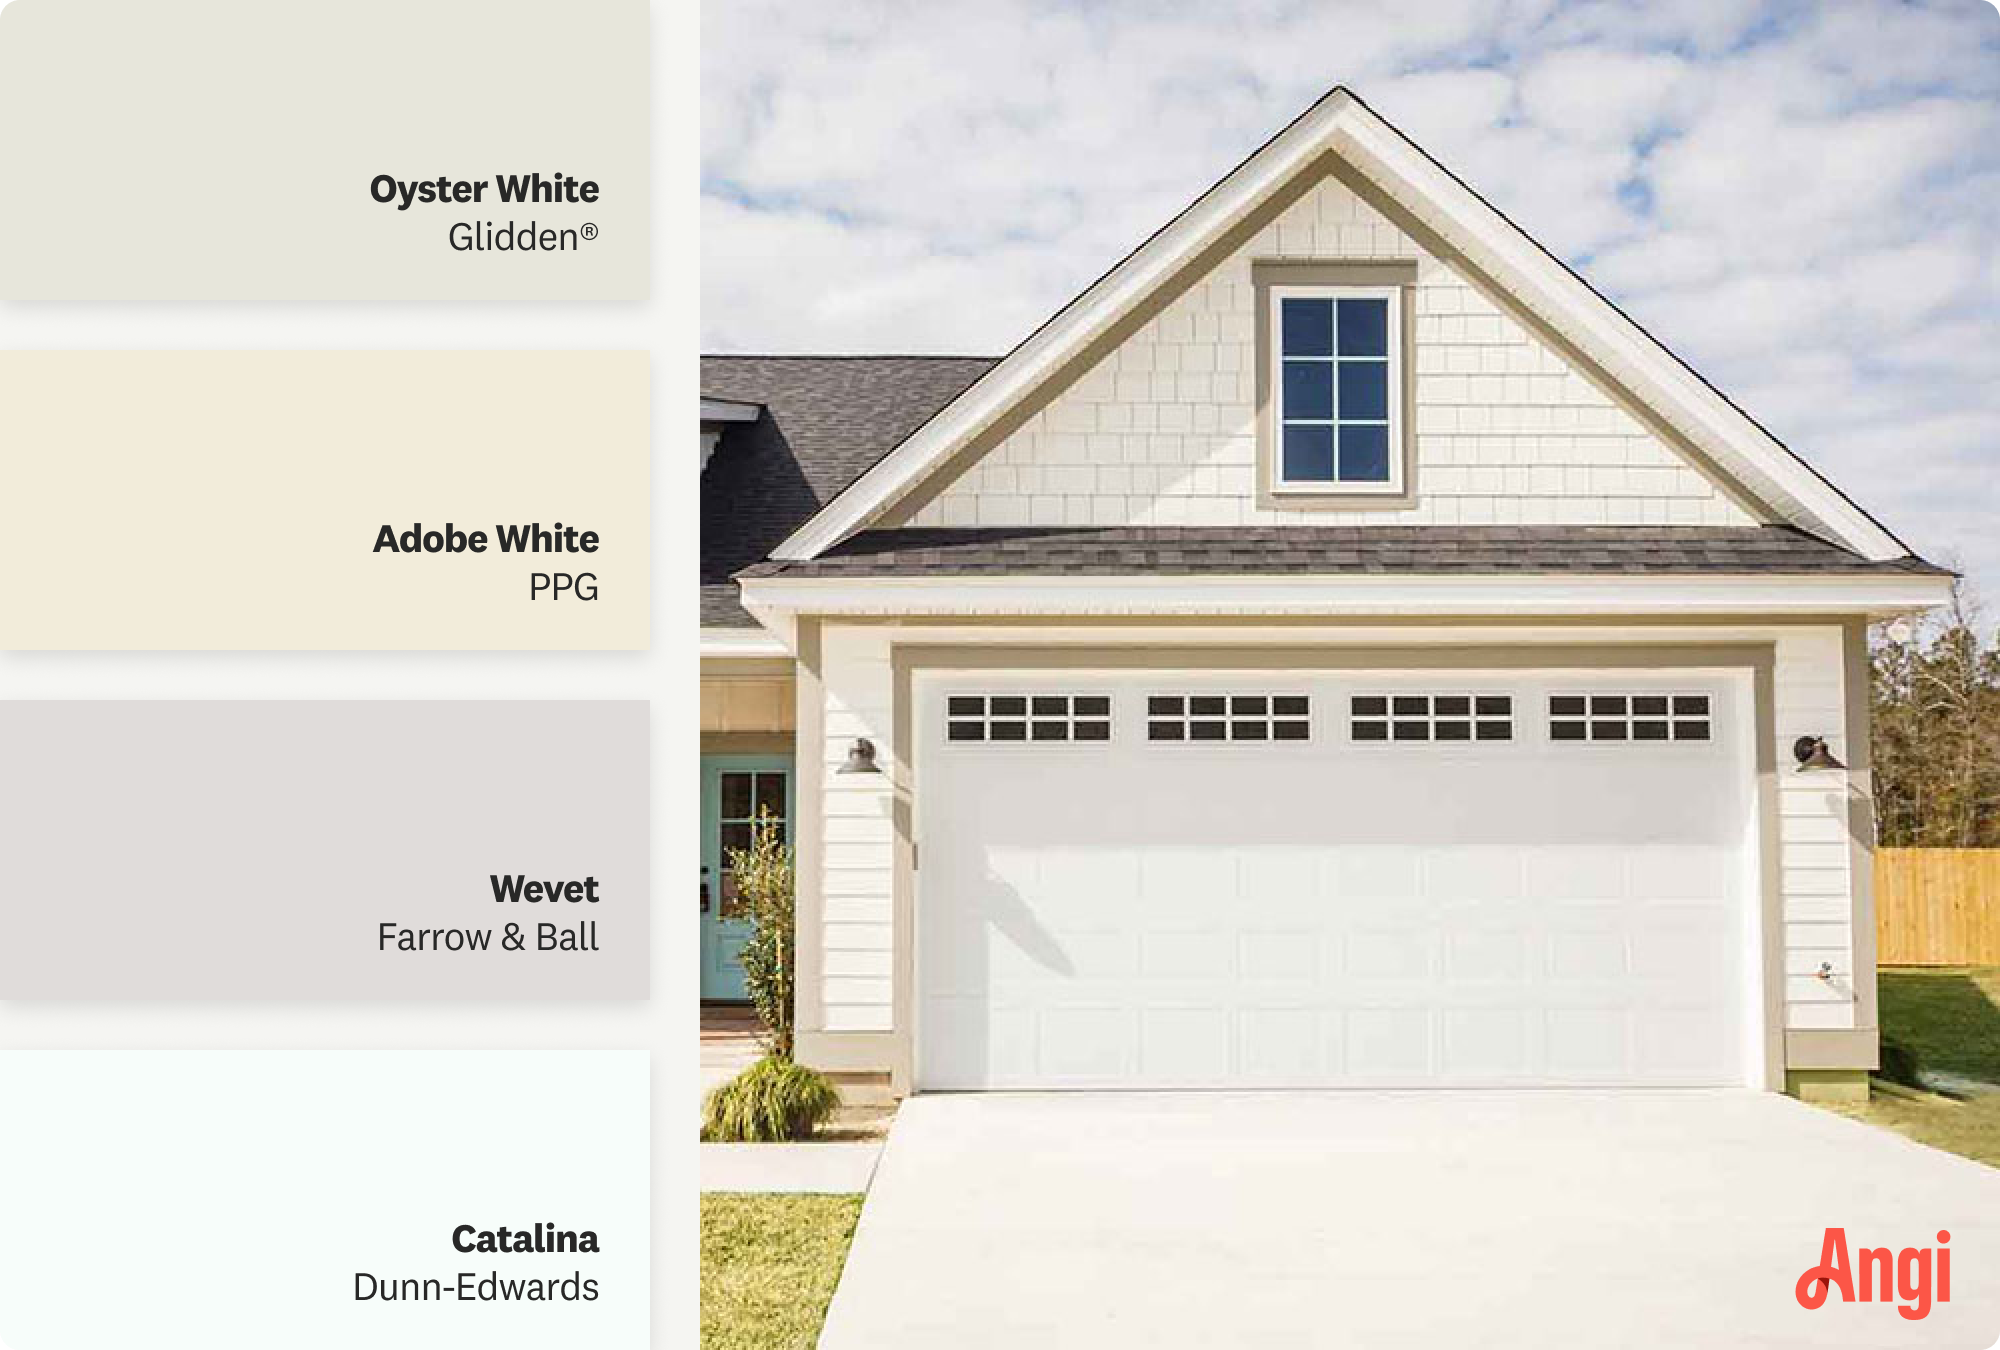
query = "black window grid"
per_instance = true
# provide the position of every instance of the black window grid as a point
(1407, 717)
(1027, 718)
(1212, 718)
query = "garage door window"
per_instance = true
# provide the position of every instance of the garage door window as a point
(1028, 717)
(1431, 717)
(1629, 717)
(1228, 717)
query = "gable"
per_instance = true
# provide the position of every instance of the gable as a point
(1697, 456)
(1162, 429)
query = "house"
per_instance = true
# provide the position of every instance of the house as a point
(1338, 648)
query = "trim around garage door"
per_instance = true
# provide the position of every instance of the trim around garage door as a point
(1756, 658)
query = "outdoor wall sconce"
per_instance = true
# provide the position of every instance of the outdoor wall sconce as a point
(860, 758)
(1812, 754)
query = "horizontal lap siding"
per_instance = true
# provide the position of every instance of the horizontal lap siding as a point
(857, 832)
(1816, 881)
(1163, 430)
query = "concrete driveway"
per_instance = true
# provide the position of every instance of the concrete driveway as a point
(1398, 1220)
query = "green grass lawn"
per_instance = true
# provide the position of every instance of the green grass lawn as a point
(1950, 1018)
(768, 1267)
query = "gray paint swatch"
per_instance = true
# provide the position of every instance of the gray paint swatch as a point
(324, 851)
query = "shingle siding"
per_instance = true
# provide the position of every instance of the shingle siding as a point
(1163, 430)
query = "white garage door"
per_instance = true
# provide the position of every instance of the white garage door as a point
(1352, 879)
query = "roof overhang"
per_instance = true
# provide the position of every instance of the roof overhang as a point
(776, 600)
(743, 643)
(729, 410)
(1341, 125)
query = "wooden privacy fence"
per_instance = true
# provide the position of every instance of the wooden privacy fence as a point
(1937, 906)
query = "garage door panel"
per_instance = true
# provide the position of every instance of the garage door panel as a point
(1486, 1043)
(1185, 1046)
(1386, 1044)
(1131, 913)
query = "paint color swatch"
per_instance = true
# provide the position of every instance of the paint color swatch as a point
(325, 851)
(206, 150)
(325, 500)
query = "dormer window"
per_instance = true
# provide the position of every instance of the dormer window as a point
(1337, 389)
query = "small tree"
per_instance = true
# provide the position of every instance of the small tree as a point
(764, 889)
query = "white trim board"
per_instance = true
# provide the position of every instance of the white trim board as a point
(769, 598)
(1344, 126)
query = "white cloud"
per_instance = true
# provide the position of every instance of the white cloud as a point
(1801, 198)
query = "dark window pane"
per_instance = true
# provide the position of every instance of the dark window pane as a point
(1370, 705)
(1454, 731)
(1206, 730)
(1208, 703)
(1012, 705)
(771, 793)
(1364, 454)
(1496, 705)
(1308, 454)
(1093, 731)
(1309, 391)
(1165, 704)
(1307, 327)
(961, 705)
(1047, 706)
(965, 731)
(1009, 731)
(1250, 731)
(735, 837)
(1288, 731)
(1413, 731)
(1690, 731)
(1371, 731)
(1649, 730)
(1364, 327)
(1413, 705)
(736, 795)
(1051, 731)
(1607, 731)
(1603, 704)
(1092, 705)
(1248, 704)
(1289, 703)
(1452, 705)
(1566, 703)
(1695, 704)
(1364, 391)
(1649, 705)
(1496, 731)
(1165, 731)
(1565, 731)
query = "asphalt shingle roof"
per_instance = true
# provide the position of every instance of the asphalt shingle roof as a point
(826, 420)
(1311, 549)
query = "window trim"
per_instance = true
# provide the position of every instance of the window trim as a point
(1391, 279)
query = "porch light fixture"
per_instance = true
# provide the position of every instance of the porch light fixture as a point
(860, 758)
(1812, 754)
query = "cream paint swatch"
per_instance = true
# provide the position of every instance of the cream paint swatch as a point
(231, 501)
(224, 149)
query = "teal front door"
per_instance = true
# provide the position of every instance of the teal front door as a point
(733, 790)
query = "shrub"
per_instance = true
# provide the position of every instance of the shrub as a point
(764, 896)
(774, 1099)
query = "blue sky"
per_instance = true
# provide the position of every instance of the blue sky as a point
(1803, 200)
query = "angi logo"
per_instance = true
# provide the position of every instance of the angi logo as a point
(1905, 1274)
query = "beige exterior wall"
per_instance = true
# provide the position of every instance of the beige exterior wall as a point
(850, 1017)
(1163, 430)
(751, 695)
